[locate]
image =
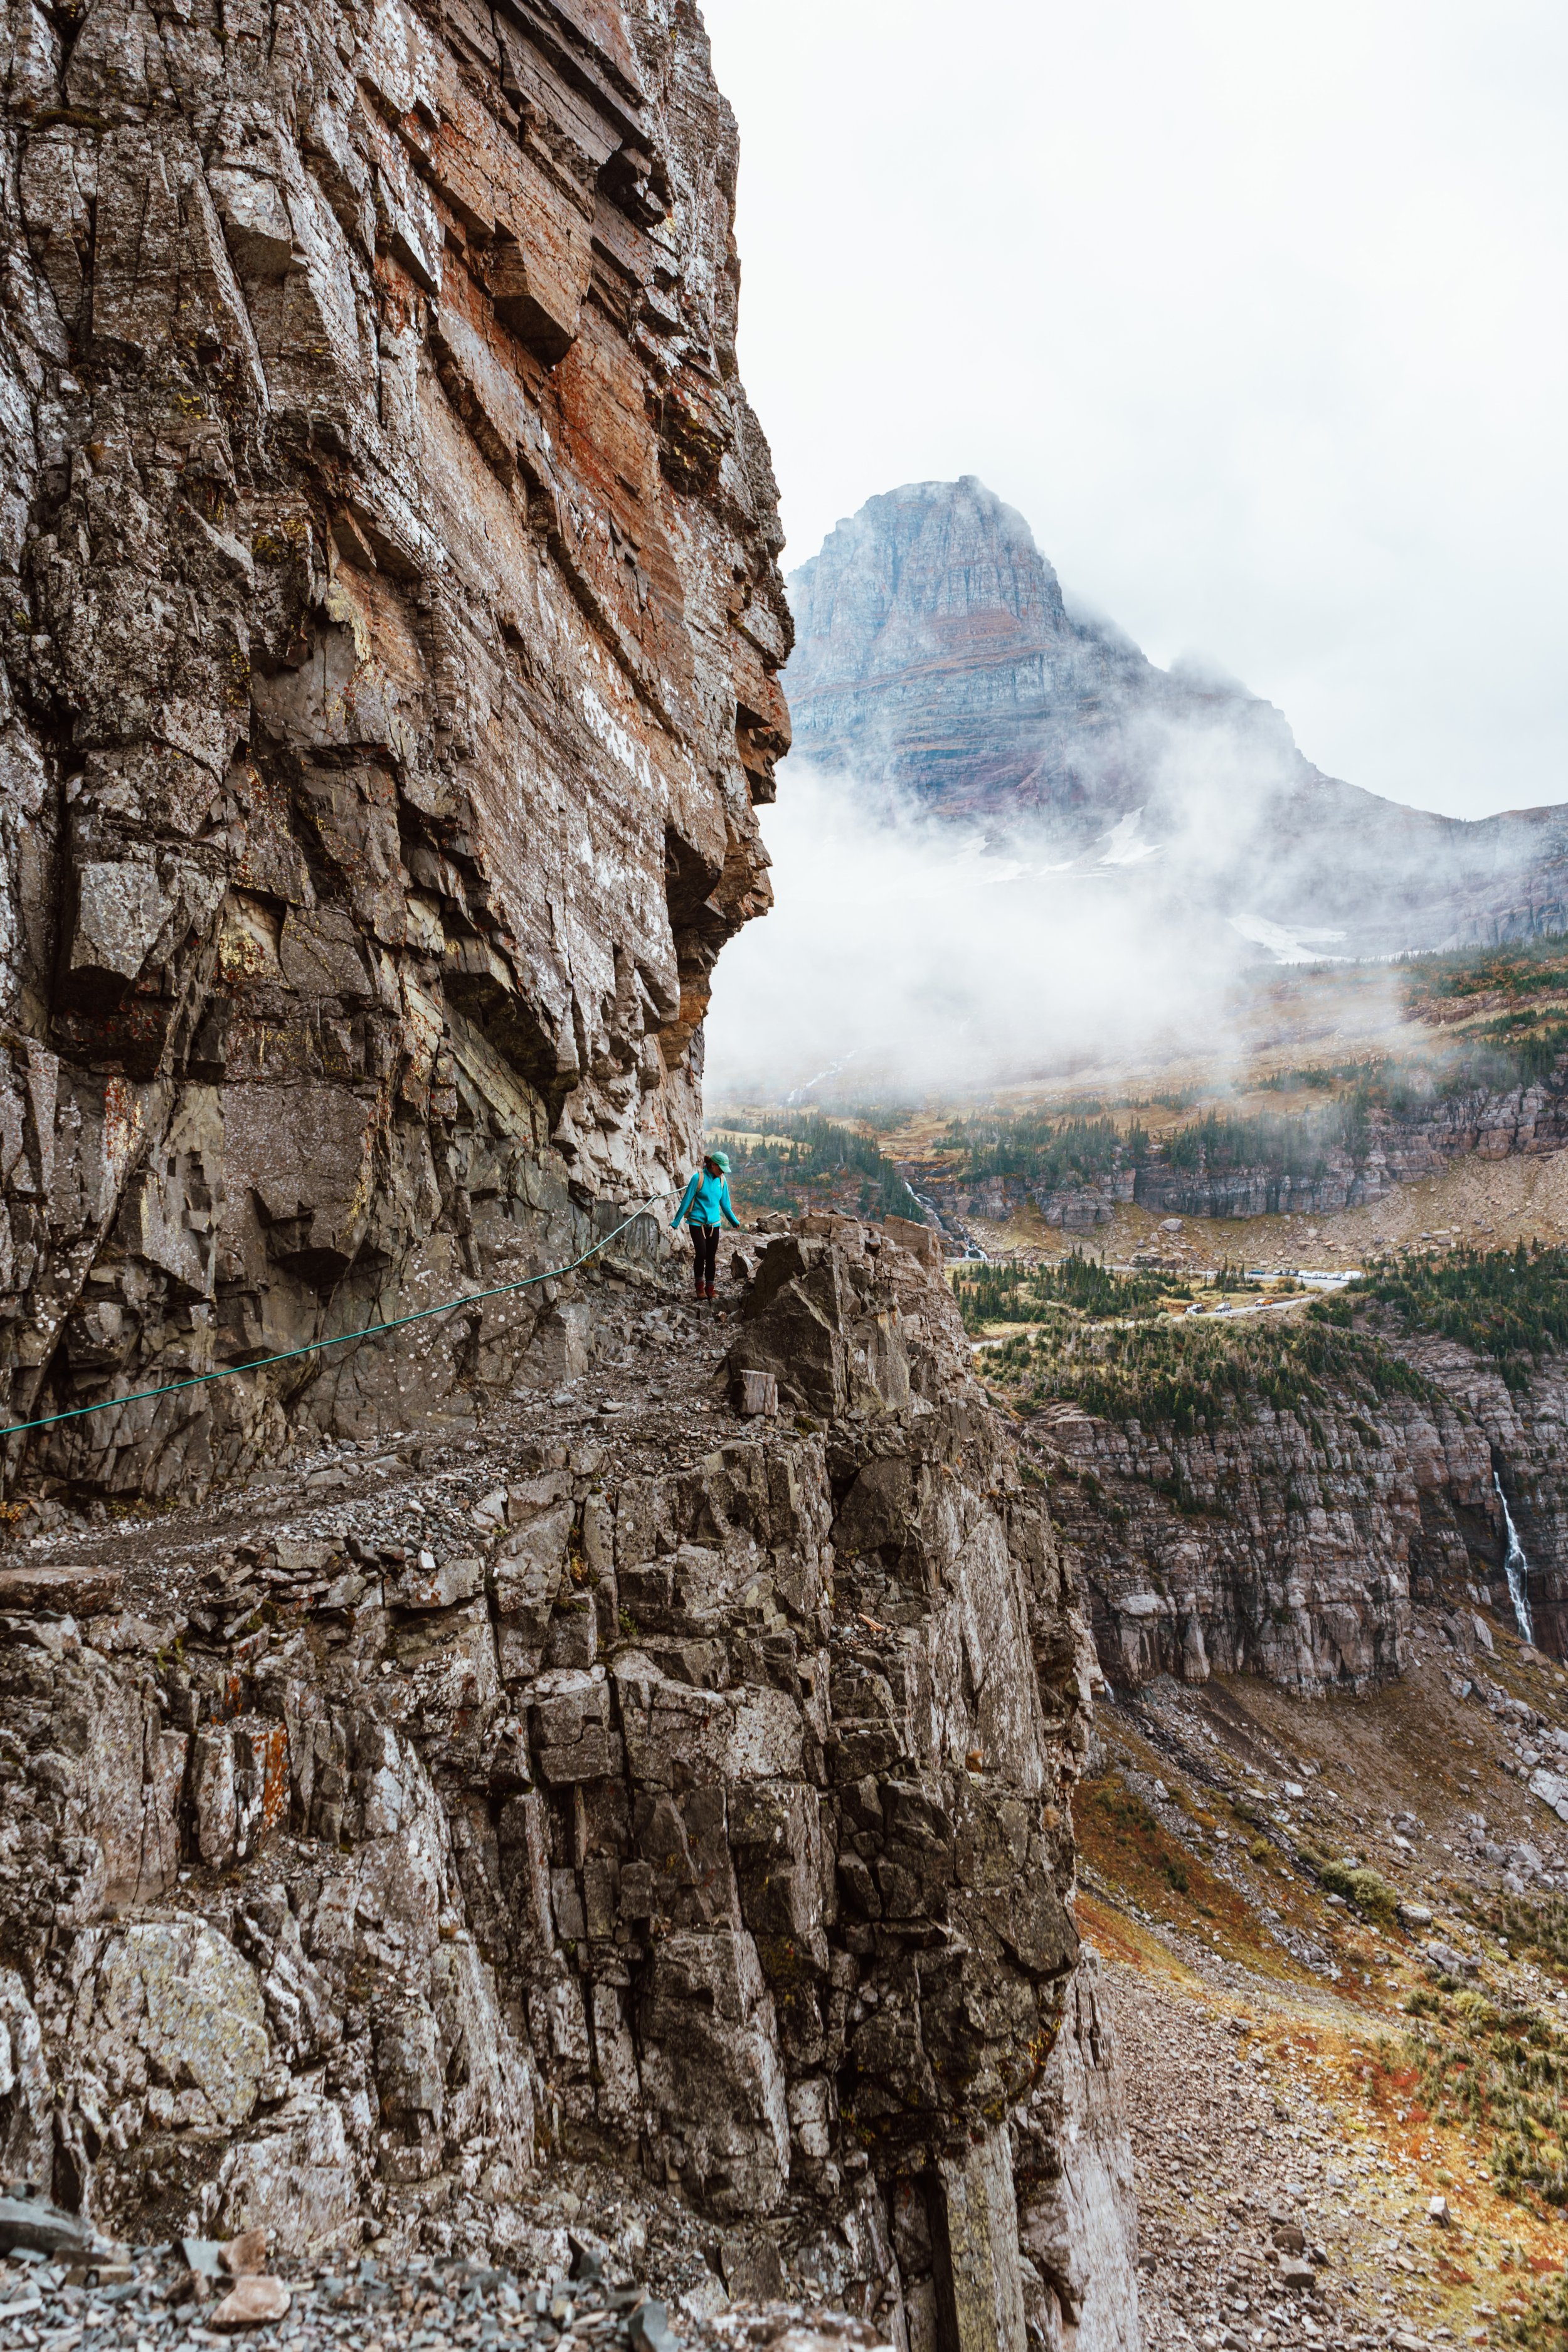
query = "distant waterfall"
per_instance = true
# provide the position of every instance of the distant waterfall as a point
(1517, 1568)
(972, 1249)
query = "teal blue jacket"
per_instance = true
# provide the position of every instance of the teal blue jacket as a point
(704, 1200)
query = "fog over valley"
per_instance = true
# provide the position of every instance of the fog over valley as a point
(1007, 844)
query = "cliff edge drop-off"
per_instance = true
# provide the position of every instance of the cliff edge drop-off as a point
(411, 1790)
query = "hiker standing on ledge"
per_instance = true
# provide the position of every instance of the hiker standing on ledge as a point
(704, 1201)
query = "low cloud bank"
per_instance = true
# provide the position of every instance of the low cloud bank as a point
(905, 956)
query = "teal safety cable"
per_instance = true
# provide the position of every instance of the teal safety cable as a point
(370, 1331)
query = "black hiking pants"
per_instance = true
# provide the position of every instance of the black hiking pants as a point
(704, 1253)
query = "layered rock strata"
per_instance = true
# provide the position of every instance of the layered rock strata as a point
(710, 1818)
(1277, 1543)
(389, 629)
(1527, 1121)
(1525, 1432)
(1293, 1544)
(390, 635)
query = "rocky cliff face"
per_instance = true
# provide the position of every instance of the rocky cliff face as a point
(938, 656)
(706, 1810)
(1523, 1431)
(390, 641)
(1292, 1543)
(389, 638)
(1284, 1544)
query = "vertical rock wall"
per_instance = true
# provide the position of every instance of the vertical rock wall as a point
(710, 1822)
(388, 633)
(1285, 1542)
(389, 637)
(1517, 1429)
(1296, 1542)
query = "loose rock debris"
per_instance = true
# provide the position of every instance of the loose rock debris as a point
(165, 2294)
(1300, 2181)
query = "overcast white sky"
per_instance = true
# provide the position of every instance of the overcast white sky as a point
(1255, 311)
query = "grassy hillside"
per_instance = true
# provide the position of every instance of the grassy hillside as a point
(1043, 1151)
(1108, 1342)
(1519, 1047)
(1521, 970)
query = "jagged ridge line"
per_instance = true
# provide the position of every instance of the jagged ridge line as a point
(370, 1331)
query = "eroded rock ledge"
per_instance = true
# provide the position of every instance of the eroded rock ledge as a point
(710, 1822)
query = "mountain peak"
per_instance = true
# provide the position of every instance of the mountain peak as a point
(935, 652)
(937, 658)
(938, 572)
